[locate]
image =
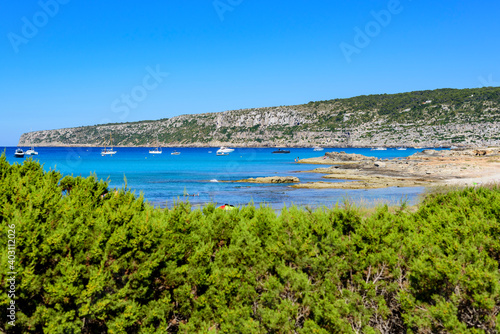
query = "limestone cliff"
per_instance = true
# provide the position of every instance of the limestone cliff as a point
(426, 118)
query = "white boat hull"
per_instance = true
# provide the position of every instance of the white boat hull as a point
(19, 153)
(108, 153)
(225, 150)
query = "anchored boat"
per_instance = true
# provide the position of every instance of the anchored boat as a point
(281, 151)
(31, 151)
(224, 150)
(158, 149)
(19, 153)
(108, 151)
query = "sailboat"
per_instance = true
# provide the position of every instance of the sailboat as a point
(106, 151)
(31, 151)
(158, 149)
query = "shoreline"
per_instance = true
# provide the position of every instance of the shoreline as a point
(468, 167)
(240, 145)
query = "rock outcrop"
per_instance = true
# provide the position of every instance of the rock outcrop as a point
(271, 179)
(428, 167)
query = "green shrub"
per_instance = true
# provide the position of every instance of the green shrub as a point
(93, 260)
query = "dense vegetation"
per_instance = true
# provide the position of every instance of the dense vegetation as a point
(420, 106)
(94, 260)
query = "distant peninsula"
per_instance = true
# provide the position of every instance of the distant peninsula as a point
(432, 118)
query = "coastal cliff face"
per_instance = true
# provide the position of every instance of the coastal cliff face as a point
(426, 118)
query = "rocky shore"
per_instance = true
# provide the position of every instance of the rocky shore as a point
(429, 167)
(270, 179)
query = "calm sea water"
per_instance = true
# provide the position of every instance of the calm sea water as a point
(166, 178)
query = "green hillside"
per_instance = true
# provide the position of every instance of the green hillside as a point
(432, 118)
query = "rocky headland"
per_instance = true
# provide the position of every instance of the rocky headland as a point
(443, 117)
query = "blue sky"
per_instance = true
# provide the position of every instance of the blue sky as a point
(66, 63)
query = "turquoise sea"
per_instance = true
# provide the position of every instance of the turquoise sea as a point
(166, 178)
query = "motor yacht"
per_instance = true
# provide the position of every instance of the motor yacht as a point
(281, 151)
(19, 153)
(224, 149)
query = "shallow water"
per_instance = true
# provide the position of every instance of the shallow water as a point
(166, 178)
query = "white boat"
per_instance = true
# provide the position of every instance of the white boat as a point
(317, 148)
(224, 149)
(19, 153)
(157, 150)
(108, 151)
(401, 148)
(379, 149)
(175, 153)
(31, 151)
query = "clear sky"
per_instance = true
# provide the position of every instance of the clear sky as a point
(66, 63)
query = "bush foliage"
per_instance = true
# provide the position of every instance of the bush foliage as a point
(93, 260)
